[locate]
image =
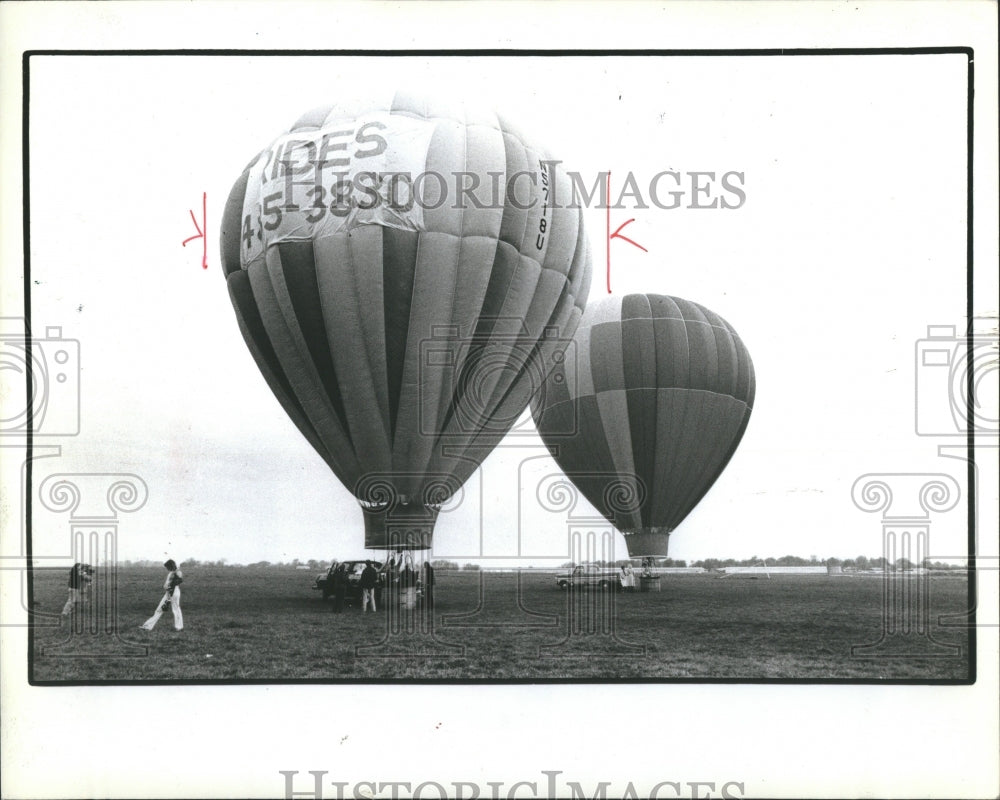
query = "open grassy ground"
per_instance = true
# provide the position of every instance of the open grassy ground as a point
(246, 624)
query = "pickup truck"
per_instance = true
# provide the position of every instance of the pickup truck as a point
(591, 576)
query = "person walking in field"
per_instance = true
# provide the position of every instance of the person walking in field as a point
(369, 579)
(79, 582)
(171, 598)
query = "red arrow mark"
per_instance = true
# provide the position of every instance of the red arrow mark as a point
(201, 233)
(616, 235)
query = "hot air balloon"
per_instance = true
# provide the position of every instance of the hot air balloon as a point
(648, 413)
(405, 272)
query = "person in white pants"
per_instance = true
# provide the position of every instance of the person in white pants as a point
(171, 597)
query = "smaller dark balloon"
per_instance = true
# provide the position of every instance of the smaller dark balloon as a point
(648, 412)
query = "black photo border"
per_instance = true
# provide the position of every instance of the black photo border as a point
(969, 626)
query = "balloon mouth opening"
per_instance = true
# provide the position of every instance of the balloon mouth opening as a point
(649, 543)
(399, 526)
(400, 509)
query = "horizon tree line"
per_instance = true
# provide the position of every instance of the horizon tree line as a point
(858, 563)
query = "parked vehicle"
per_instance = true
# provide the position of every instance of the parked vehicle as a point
(324, 581)
(591, 576)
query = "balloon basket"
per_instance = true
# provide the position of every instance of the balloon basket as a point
(649, 583)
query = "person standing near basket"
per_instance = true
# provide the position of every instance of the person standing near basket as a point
(628, 578)
(428, 585)
(368, 582)
(339, 579)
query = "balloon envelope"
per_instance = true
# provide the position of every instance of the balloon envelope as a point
(404, 280)
(647, 410)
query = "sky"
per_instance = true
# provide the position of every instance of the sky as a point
(850, 243)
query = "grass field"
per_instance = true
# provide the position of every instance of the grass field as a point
(244, 624)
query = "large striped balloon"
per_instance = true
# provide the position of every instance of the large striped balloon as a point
(647, 412)
(404, 273)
